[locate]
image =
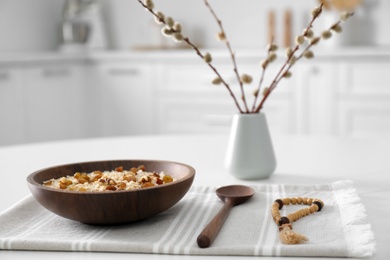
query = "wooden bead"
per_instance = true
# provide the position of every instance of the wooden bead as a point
(318, 204)
(275, 206)
(280, 202)
(292, 217)
(283, 220)
(320, 201)
(294, 201)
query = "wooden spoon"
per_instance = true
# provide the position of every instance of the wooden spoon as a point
(232, 195)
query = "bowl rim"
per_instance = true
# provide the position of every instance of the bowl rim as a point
(31, 181)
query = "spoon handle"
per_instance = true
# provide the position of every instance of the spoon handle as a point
(210, 232)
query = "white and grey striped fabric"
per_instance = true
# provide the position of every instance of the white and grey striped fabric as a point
(249, 229)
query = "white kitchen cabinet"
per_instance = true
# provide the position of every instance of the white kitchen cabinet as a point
(364, 98)
(120, 98)
(55, 101)
(188, 102)
(11, 107)
(342, 93)
(315, 98)
(345, 95)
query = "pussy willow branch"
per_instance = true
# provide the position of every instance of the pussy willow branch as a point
(258, 90)
(279, 76)
(233, 56)
(198, 52)
(261, 79)
(275, 81)
(290, 65)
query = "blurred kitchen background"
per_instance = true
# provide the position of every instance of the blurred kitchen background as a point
(83, 68)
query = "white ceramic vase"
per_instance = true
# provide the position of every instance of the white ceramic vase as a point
(250, 154)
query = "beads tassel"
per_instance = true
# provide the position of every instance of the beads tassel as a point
(287, 235)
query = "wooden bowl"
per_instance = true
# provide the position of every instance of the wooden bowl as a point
(111, 207)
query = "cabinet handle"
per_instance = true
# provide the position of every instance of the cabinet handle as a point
(4, 76)
(54, 73)
(315, 70)
(124, 72)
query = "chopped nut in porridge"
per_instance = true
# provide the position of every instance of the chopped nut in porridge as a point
(118, 179)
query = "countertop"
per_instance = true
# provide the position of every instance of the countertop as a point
(301, 159)
(86, 55)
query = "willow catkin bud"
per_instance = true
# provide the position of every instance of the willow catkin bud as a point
(178, 37)
(315, 40)
(256, 92)
(221, 36)
(316, 11)
(177, 27)
(166, 31)
(345, 16)
(308, 33)
(272, 56)
(159, 18)
(265, 91)
(216, 81)
(308, 54)
(292, 60)
(264, 64)
(336, 28)
(207, 57)
(326, 34)
(300, 39)
(289, 51)
(169, 21)
(272, 47)
(247, 79)
(149, 4)
(287, 74)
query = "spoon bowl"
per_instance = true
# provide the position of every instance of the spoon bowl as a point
(238, 194)
(232, 195)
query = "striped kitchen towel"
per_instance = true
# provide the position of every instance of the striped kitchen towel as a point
(338, 230)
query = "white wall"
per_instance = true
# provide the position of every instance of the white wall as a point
(29, 25)
(244, 21)
(33, 25)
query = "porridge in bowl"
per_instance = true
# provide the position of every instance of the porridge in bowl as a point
(117, 179)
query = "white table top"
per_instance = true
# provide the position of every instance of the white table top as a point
(301, 160)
